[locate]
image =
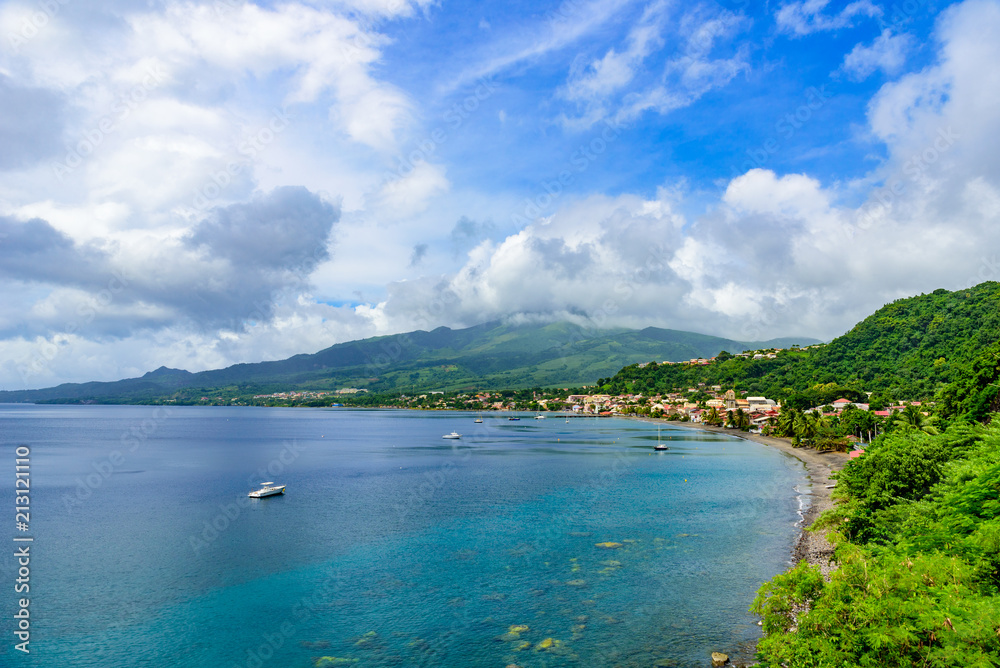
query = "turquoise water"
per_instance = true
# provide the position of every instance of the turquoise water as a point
(392, 546)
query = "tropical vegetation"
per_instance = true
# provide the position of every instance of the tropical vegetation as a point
(918, 561)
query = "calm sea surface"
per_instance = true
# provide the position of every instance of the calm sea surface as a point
(391, 546)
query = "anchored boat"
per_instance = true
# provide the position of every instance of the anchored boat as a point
(267, 489)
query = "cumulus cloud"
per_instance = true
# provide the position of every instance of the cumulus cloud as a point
(780, 253)
(887, 53)
(229, 269)
(468, 233)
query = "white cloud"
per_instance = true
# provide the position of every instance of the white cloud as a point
(806, 17)
(568, 23)
(887, 53)
(694, 71)
(609, 74)
(410, 193)
(781, 253)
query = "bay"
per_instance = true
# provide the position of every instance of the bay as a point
(391, 546)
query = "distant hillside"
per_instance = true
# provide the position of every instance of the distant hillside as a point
(489, 356)
(913, 348)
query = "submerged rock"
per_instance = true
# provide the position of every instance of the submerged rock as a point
(719, 659)
(608, 545)
(366, 639)
(518, 628)
(577, 583)
(326, 661)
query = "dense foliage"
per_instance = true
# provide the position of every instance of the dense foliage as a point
(918, 534)
(943, 344)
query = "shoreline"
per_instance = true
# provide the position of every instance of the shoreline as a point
(812, 547)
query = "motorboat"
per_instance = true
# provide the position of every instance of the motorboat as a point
(267, 489)
(452, 435)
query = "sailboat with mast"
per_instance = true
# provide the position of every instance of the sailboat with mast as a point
(660, 445)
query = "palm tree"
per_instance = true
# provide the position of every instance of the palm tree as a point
(712, 417)
(911, 418)
(808, 426)
(742, 420)
(786, 422)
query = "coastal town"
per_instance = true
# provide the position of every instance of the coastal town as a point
(841, 423)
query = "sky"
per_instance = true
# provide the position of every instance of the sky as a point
(196, 184)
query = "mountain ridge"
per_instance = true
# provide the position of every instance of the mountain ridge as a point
(490, 355)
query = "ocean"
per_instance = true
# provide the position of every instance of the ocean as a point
(538, 543)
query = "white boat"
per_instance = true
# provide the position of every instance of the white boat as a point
(479, 419)
(659, 445)
(267, 489)
(453, 435)
(539, 417)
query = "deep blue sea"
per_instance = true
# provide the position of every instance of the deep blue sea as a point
(391, 546)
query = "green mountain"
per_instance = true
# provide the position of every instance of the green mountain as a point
(940, 344)
(494, 355)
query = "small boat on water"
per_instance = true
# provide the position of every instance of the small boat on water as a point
(267, 489)
(452, 435)
(539, 417)
(659, 444)
(479, 419)
(513, 418)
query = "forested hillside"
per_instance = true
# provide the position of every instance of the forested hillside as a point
(918, 561)
(942, 344)
(493, 355)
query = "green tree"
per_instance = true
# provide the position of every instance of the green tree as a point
(912, 418)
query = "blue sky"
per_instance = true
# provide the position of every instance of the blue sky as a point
(195, 184)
